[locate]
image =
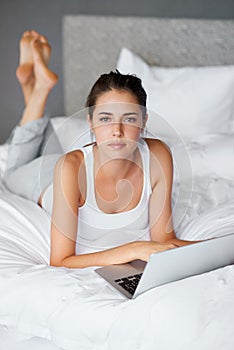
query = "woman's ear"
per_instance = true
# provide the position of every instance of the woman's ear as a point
(145, 120)
(89, 120)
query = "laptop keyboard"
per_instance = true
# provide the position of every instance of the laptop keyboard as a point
(129, 283)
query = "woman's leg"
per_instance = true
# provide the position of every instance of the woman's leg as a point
(45, 80)
(31, 180)
(25, 71)
(25, 143)
(24, 172)
(36, 82)
(26, 77)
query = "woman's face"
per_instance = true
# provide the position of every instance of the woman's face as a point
(117, 123)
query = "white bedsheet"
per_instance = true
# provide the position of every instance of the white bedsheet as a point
(12, 339)
(76, 309)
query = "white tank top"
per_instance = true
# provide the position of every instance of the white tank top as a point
(98, 230)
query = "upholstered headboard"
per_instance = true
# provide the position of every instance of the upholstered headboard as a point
(91, 45)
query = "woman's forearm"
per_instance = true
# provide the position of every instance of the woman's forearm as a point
(119, 255)
(181, 242)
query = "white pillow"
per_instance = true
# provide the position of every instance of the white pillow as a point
(211, 156)
(73, 132)
(193, 100)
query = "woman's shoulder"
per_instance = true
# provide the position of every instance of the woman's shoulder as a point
(75, 155)
(70, 161)
(158, 147)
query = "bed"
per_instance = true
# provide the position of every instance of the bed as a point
(187, 68)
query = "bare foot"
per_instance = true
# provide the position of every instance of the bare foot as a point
(35, 77)
(25, 71)
(45, 79)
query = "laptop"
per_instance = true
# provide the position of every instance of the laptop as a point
(134, 278)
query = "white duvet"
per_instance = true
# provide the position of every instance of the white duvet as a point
(77, 309)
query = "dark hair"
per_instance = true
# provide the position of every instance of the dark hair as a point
(117, 81)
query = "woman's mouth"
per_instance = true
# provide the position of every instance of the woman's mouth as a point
(117, 145)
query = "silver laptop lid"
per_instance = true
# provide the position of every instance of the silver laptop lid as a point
(189, 260)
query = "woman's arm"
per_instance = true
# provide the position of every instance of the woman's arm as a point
(161, 222)
(65, 207)
(118, 255)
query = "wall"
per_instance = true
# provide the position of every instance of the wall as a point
(45, 16)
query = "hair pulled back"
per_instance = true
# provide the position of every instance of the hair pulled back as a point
(117, 81)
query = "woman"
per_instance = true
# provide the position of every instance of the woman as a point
(111, 200)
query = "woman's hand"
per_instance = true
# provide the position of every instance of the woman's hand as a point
(145, 249)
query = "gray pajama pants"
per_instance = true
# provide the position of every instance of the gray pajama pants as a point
(33, 151)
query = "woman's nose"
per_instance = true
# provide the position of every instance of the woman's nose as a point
(117, 129)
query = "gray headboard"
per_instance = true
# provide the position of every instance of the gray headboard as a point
(91, 45)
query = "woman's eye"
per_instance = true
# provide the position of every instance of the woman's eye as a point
(130, 120)
(104, 119)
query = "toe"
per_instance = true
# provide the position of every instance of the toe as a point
(46, 47)
(27, 33)
(43, 39)
(35, 34)
(35, 43)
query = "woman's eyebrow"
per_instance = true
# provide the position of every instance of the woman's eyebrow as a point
(130, 113)
(127, 114)
(106, 113)
(124, 114)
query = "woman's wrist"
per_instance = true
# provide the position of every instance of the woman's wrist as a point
(136, 249)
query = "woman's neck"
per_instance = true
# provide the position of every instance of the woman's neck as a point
(116, 168)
